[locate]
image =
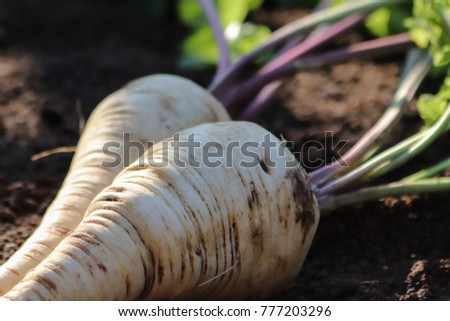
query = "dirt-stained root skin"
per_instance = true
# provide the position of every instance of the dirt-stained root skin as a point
(149, 109)
(186, 233)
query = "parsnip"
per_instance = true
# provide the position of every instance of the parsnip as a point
(177, 232)
(149, 109)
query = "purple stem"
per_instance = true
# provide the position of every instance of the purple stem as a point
(220, 87)
(373, 48)
(353, 154)
(260, 102)
(238, 95)
(214, 20)
(281, 65)
(402, 98)
(377, 47)
(265, 95)
(312, 43)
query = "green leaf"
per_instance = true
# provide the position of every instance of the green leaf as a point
(191, 13)
(419, 36)
(387, 21)
(230, 11)
(430, 27)
(430, 108)
(378, 22)
(442, 56)
(200, 49)
(250, 36)
(255, 4)
(233, 11)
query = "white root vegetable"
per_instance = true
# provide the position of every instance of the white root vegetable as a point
(149, 109)
(174, 232)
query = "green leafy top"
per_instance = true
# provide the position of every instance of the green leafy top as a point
(200, 50)
(388, 20)
(431, 107)
(430, 27)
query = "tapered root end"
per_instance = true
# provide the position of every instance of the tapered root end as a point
(103, 259)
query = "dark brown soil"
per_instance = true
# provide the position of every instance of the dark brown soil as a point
(55, 55)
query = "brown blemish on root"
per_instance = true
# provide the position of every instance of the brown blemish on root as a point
(84, 237)
(304, 197)
(62, 230)
(97, 222)
(56, 270)
(40, 295)
(80, 245)
(13, 271)
(257, 238)
(264, 166)
(204, 264)
(256, 235)
(137, 167)
(90, 270)
(148, 277)
(102, 267)
(183, 267)
(116, 189)
(235, 234)
(171, 267)
(250, 204)
(242, 180)
(233, 251)
(128, 286)
(216, 247)
(106, 207)
(216, 200)
(165, 101)
(191, 259)
(255, 202)
(160, 272)
(253, 199)
(46, 283)
(111, 198)
(108, 217)
(31, 257)
(191, 159)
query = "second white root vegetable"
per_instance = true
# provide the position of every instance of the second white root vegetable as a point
(174, 232)
(149, 109)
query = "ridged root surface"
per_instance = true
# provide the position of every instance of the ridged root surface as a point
(173, 232)
(149, 109)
